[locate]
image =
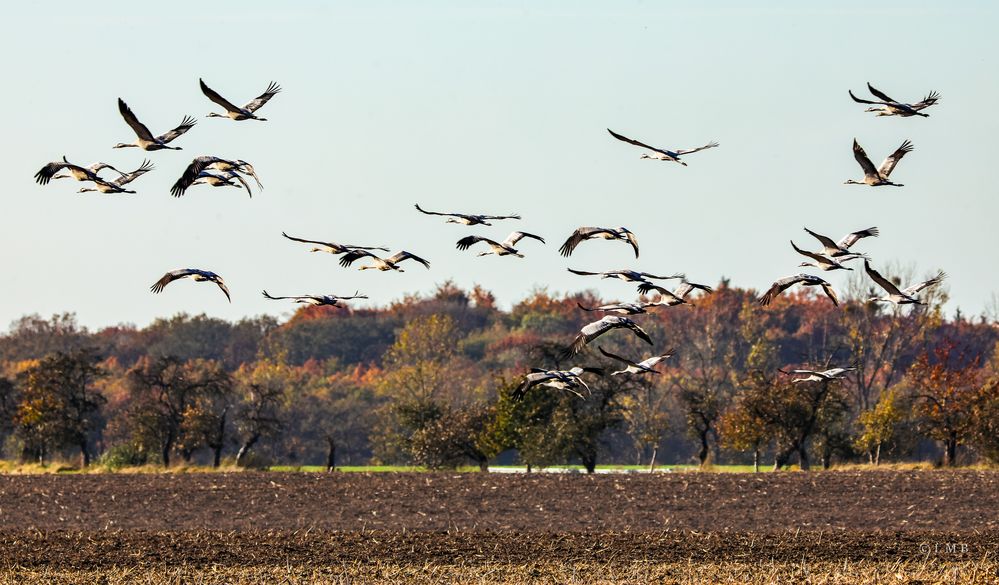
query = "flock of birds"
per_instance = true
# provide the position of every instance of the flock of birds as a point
(833, 255)
(220, 172)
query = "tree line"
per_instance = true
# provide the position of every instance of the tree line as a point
(429, 380)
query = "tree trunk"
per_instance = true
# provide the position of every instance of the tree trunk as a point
(702, 453)
(84, 453)
(652, 462)
(950, 452)
(219, 441)
(782, 457)
(756, 460)
(165, 452)
(244, 449)
(877, 454)
(803, 459)
(484, 465)
(589, 461)
(331, 454)
(528, 468)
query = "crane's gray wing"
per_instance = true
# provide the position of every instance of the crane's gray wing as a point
(889, 164)
(191, 173)
(883, 282)
(146, 166)
(349, 258)
(711, 144)
(880, 94)
(421, 210)
(578, 236)
(464, 243)
(511, 216)
(633, 241)
(273, 298)
(828, 289)
(403, 255)
(824, 240)
(238, 177)
(941, 275)
(170, 277)
(317, 242)
(138, 127)
(218, 280)
(780, 286)
(852, 238)
(218, 99)
(258, 102)
(860, 101)
(863, 160)
(186, 124)
(637, 143)
(927, 101)
(616, 357)
(812, 255)
(515, 237)
(45, 174)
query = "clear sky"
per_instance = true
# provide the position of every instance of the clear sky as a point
(489, 107)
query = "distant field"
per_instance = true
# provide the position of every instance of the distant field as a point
(823, 527)
(522, 469)
(14, 467)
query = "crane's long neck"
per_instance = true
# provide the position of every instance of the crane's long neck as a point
(123, 145)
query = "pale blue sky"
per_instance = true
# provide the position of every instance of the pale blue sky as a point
(489, 107)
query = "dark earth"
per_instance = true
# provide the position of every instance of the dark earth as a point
(265, 517)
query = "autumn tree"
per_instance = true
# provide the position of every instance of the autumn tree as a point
(8, 407)
(713, 350)
(525, 425)
(879, 424)
(883, 338)
(986, 421)
(946, 386)
(166, 392)
(792, 413)
(263, 394)
(424, 375)
(582, 423)
(58, 404)
(646, 414)
(741, 430)
(741, 427)
(832, 428)
(205, 424)
(32, 337)
(453, 437)
(331, 414)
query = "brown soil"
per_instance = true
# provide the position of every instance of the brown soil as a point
(90, 550)
(772, 502)
(85, 522)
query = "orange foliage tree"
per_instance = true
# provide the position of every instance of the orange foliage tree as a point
(947, 387)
